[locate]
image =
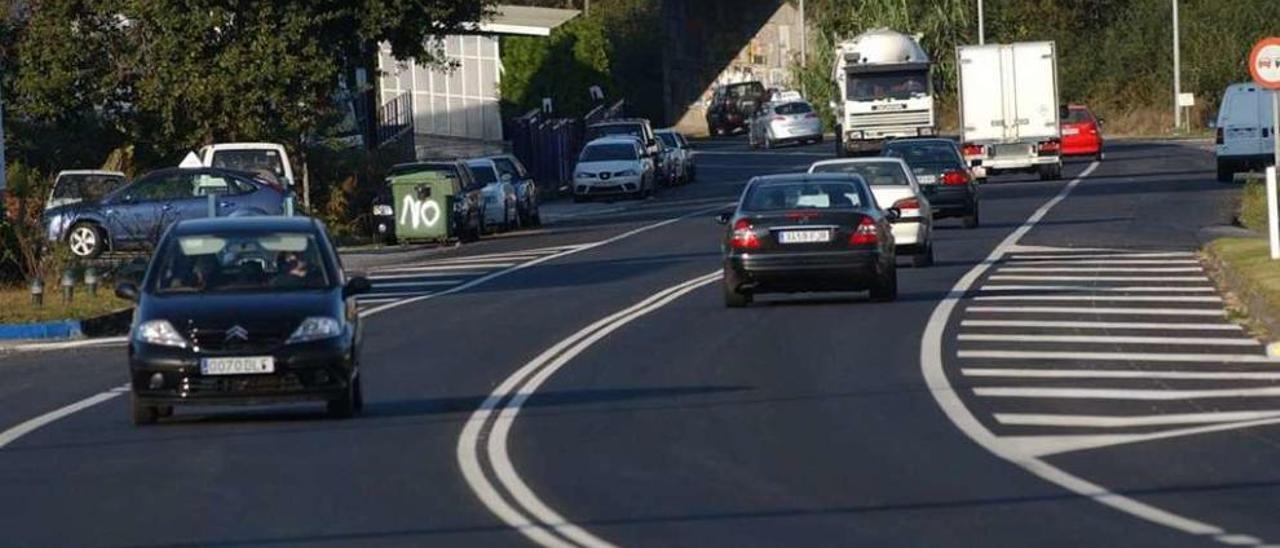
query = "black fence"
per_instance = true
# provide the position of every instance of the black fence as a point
(549, 147)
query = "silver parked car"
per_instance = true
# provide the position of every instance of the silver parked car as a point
(501, 205)
(785, 122)
(681, 154)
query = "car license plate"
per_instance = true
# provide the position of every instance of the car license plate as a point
(804, 236)
(1069, 131)
(240, 365)
(926, 179)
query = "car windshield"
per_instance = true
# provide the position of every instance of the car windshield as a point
(239, 261)
(924, 153)
(793, 108)
(669, 139)
(886, 85)
(803, 195)
(608, 153)
(1077, 116)
(484, 173)
(634, 130)
(255, 161)
(874, 173)
(86, 186)
(745, 90)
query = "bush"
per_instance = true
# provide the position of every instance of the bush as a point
(563, 67)
(1253, 205)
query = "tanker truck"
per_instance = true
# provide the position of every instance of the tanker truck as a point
(883, 91)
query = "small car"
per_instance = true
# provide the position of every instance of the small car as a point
(512, 171)
(73, 186)
(682, 151)
(613, 166)
(668, 165)
(893, 184)
(1081, 132)
(244, 311)
(785, 122)
(944, 179)
(733, 105)
(468, 216)
(136, 215)
(501, 205)
(808, 232)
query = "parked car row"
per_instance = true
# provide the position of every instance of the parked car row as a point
(627, 158)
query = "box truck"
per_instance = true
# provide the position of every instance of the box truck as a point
(1009, 110)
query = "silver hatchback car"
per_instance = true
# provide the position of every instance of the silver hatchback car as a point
(785, 122)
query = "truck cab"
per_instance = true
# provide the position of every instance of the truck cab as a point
(884, 90)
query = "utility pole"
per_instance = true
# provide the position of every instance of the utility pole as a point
(804, 37)
(586, 7)
(3, 176)
(1177, 71)
(982, 31)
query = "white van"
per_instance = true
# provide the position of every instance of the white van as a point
(1245, 137)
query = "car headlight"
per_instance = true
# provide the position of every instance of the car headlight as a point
(315, 328)
(628, 173)
(159, 333)
(383, 210)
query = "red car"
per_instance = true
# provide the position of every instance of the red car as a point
(1081, 132)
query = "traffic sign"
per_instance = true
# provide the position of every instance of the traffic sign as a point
(1264, 63)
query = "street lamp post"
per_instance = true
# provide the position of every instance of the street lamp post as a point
(982, 31)
(1177, 71)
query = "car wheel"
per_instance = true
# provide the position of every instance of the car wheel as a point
(924, 257)
(142, 414)
(885, 288)
(1046, 173)
(344, 406)
(971, 220)
(1226, 173)
(85, 240)
(734, 298)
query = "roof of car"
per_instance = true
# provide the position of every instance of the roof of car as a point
(807, 178)
(615, 140)
(613, 121)
(864, 160)
(251, 223)
(667, 130)
(897, 142)
(90, 172)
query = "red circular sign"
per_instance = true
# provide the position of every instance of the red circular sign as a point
(1264, 63)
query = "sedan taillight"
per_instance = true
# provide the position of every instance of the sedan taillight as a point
(955, 177)
(744, 236)
(865, 234)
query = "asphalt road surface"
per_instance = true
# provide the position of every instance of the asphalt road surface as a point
(1064, 376)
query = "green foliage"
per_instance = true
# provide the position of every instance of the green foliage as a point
(1253, 204)
(562, 66)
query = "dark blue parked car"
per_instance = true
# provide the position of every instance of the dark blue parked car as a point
(136, 215)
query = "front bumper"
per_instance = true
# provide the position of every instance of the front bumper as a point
(320, 370)
(613, 186)
(853, 270)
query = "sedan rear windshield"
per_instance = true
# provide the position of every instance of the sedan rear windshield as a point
(925, 153)
(233, 262)
(874, 173)
(793, 108)
(1076, 116)
(803, 195)
(608, 153)
(634, 130)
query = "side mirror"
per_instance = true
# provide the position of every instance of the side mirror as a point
(723, 217)
(127, 291)
(893, 213)
(1101, 122)
(356, 285)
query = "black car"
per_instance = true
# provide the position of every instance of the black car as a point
(808, 232)
(733, 106)
(944, 178)
(468, 211)
(244, 311)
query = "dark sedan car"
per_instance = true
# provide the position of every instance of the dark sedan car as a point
(944, 178)
(808, 232)
(137, 214)
(244, 311)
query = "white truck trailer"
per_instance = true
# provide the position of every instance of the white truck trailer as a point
(883, 90)
(1009, 110)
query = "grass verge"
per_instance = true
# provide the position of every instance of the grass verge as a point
(1245, 267)
(16, 307)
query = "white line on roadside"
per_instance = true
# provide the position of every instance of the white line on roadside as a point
(1104, 298)
(1019, 277)
(1090, 310)
(1105, 262)
(380, 285)
(1111, 421)
(1099, 256)
(1101, 289)
(65, 345)
(935, 374)
(1125, 374)
(368, 297)
(1115, 356)
(1124, 393)
(12, 434)
(1103, 325)
(443, 267)
(424, 275)
(1094, 339)
(1068, 269)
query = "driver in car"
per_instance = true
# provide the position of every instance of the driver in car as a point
(294, 271)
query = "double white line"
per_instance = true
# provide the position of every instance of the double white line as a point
(482, 447)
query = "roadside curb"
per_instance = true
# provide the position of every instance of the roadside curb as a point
(1261, 317)
(62, 329)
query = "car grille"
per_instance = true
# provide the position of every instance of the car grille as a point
(889, 119)
(215, 340)
(242, 384)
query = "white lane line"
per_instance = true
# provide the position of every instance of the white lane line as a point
(1115, 356)
(1090, 310)
(1039, 446)
(391, 295)
(1113, 374)
(425, 275)
(519, 386)
(421, 283)
(1104, 298)
(935, 374)
(1024, 278)
(12, 434)
(1096, 339)
(1099, 256)
(65, 345)
(484, 260)
(1111, 421)
(1103, 325)
(1124, 393)
(368, 301)
(1068, 269)
(1105, 262)
(444, 267)
(1103, 289)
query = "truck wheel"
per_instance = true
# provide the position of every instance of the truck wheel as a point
(1225, 172)
(1046, 173)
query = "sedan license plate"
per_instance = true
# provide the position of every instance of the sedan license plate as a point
(927, 179)
(240, 365)
(804, 236)
(1070, 131)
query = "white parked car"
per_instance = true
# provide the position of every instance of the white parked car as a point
(681, 152)
(613, 166)
(894, 185)
(785, 122)
(1245, 138)
(501, 204)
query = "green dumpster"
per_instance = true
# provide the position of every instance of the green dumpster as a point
(423, 205)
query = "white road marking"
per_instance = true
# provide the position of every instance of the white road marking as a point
(443, 267)
(518, 387)
(1101, 289)
(1114, 374)
(1109, 421)
(1066, 269)
(1104, 298)
(1020, 277)
(380, 285)
(1090, 310)
(1124, 393)
(1104, 262)
(1103, 325)
(1115, 356)
(1038, 446)
(64, 345)
(12, 434)
(1100, 256)
(1108, 339)
(426, 275)
(931, 366)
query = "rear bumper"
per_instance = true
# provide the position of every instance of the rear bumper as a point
(796, 272)
(908, 232)
(1081, 145)
(1246, 161)
(1016, 163)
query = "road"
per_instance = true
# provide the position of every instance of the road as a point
(583, 385)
